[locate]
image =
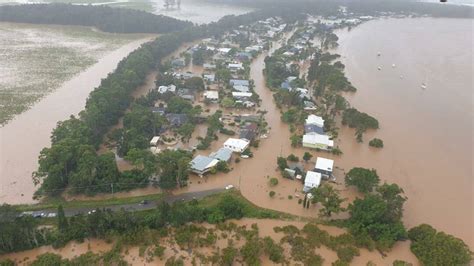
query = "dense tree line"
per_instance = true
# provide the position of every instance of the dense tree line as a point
(117, 20)
(361, 7)
(23, 232)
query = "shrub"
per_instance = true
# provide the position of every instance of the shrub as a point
(290, 197)
(273, 181)
(293, 158)
(377, 143)
(272, 194)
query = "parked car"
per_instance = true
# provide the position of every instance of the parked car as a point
(229, 187)
(92, 211)
(244, 156)
(51, 215)
(144, 202)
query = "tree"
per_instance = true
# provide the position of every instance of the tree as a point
(371, 217)
(293, 158)
(364, 179)
(307, 156)
(295, 140)
(198, 57)
(274, 251)
(282, 164)
(377, 143)
(329, 198)
(47, 259)
(195, 83)
(62, 220)
(392, 194)
(228, 255)
(271, 194)
(438, 248)
(250, 252)
(273, 181)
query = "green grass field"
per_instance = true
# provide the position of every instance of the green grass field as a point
(37, 59)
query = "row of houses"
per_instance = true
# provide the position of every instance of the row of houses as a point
(202, 164)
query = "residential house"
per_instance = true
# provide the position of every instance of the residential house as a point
(186, 94)
(241, 82)
(224, 50)
(236, 145)
(243, 56)
(178, 62)
(212, 96)
(241, 95)
(317, 141)
(324, 166)
(169, 88)
(312, 180)
(223, 154)
(249, 131)
(177, 120)
(234, 67)
(154, 141)
(313, 129)
(209, 78)
(202, 164)
(315, 120)
(309, 106)
(158, 110)
(209, 66)
(241, 88)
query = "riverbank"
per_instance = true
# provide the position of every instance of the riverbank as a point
(23, 138)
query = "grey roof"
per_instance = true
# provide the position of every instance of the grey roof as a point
(200, 162)
(313, 129)
(223, 154)
(177, 119)
(242, 82)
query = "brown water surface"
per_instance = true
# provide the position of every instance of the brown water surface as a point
(428, 133)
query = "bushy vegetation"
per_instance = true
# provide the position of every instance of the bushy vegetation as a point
(117, 20)
(438, 248)
(376, 219)
(365, 180)
(360, 121)
(377, 143)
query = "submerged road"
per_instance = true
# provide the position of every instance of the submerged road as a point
(134, 206)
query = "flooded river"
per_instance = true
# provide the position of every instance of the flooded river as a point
(22, 139)
(428, 133)
(198, 11)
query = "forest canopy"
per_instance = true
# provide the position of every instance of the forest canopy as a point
(116, 20)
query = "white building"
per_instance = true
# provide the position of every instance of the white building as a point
(317, 141)
(241, 95)
(315, 120)
(154, 141)
(312, 180)
(235, 67)
(170, 88)
(237, 145)
(211, 95)
(324, 166)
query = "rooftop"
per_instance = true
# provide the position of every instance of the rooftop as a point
(201, 162)
(223, 154)
(324, 164)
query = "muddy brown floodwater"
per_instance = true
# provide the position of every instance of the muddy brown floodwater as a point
(131, 254)
(22, 139)
(428, 133)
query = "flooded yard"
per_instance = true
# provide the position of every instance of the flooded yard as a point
(37, 59)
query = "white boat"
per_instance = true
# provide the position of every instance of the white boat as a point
(423, 85)
(379, 68)
(393, 65)
(378, 54)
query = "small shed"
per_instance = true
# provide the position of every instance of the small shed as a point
(154, 141)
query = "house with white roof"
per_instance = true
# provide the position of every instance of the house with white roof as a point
(212, 96)
(317, 141)
(202, 164)
(236, 145)
(315, 120)
(241, 88)
(154, 141)
(224, 50)
(242, 82)
(312, 180)
(241, 95)
(235, 67)
(169, 88)
(324, 166)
